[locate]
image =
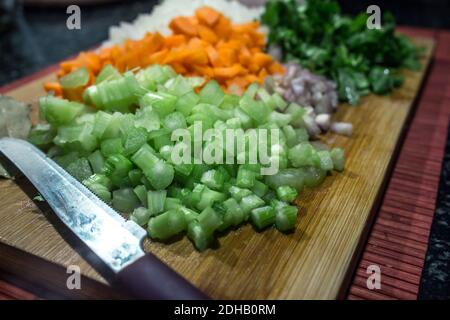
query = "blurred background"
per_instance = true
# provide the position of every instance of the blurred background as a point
(33, 33)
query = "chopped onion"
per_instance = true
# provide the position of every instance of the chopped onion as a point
(323, 121)
(343, 128)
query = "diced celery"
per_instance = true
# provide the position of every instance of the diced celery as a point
(66, 159)
(232, 207)
(186, 102)
(230, 101)
(326, 163)
(119, 166)
(286, 193)
(134, 139)
(314, 176)
(97, 162)
(259, 188)
(148, 119)
(135, 176)
(189, 215)
(145, 157)
(302, 135)
(238, 193)
(249, 203)
(108, 73)
(80, 169)
(76, 137)
(281, 119)
(337, 154)
(212, 93)
(141, 216)
(101, 123)
(75, 79)
(98, 184)
(42, 135)
(251, 91)
(206, 196)
(263, 217)
(160, 174)
(198, 236)
(118, 94)
(155, 201)
(256, 110)
(174, 121)
(287, 177)
(209, 220)
(178, 86)
(213, 179)
(286, 218)
(297, 112)
(141, 192)
(303, 155)
(163, 103)
(245, 178)
(279, 101)
(172, 203)
(166, 225)
(125, 200)
(112, 146)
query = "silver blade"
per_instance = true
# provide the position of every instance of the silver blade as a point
(115, 241)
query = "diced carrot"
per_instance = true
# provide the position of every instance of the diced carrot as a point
(261, 59)
(206, 44)
(207, 15)
(178, 67)
(158, 57)
(276, 67)
(223, 27)
(213, 55)
(207, 34)
(262, 73)
(207, 71)
(228, 72)
(245, 56)
(227, 57)
(199, 57)
(252, 78)
(184, 26)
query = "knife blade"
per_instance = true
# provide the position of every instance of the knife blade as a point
(116, 241)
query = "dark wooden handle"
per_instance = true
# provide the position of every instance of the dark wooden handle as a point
(151, 279)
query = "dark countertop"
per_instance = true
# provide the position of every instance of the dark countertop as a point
(40, 37)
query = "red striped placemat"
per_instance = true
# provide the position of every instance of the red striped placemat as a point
(398, 240)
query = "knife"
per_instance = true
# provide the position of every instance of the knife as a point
(114, 240)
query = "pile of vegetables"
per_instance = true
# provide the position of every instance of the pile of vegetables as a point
(118, 143)
(207, 44)
(360, 60)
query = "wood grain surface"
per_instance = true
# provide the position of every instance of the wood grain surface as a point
(313, 262)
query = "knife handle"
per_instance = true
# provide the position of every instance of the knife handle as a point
(151, 279)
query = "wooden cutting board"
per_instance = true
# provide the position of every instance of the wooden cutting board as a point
(313, 262)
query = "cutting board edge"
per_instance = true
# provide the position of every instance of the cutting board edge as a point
(353, 264)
